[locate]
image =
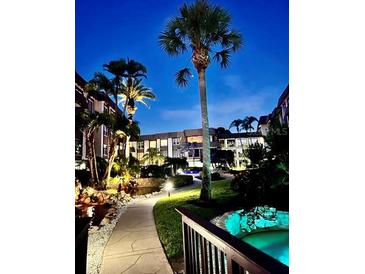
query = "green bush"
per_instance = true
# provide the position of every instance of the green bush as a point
(182, 180)
(154, 171)
(215, 176)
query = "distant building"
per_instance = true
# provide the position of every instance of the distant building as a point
(280, 112)
(237, 142)
(189, 144)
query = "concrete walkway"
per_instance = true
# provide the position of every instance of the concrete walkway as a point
(134, 246)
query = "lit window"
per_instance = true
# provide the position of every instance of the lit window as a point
(195, 139)
(140, 145)
(164, 142)
(152, 144)
(105, 150)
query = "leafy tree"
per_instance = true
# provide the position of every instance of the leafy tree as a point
(256, 153)
(205, 29)
(223, 157)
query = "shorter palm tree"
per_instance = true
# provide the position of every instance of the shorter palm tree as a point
(153, 156)
(247, 124)
(176, 163)
(90, 122)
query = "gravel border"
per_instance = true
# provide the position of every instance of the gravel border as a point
(98, 238)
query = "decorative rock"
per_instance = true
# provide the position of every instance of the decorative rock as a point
(105, 221)
(240, 222)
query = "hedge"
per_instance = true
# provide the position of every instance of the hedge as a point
(182, 180)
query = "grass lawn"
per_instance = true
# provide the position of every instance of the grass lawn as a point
(168, 221)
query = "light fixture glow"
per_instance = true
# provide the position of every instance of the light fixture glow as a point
(169, 186)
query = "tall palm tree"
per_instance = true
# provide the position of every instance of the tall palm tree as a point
(203, 28)
(121, 69)
(153, 156)
(137, 92)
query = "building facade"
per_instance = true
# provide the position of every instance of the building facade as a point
(100, 104)
(189, 144)
(280, 113)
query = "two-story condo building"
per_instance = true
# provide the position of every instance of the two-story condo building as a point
(189, 144)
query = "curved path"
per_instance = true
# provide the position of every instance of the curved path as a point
(134, 246)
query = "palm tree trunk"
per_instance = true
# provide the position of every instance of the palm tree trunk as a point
(127, 149)
(111, 158)
(95, 163)
(90, 157)
(205, 193)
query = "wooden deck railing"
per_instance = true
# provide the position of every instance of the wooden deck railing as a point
(210, 249)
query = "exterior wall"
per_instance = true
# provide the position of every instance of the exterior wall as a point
(169, 147)
(146, 146)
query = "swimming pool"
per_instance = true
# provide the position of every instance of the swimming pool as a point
(272, 242)
(267, 231)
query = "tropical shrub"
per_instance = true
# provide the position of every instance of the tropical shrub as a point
(256, 153)
(154, 171)
(182, 180)
(176, 163)
(260, 186)
(215, 176)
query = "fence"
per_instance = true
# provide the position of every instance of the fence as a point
(210, 249)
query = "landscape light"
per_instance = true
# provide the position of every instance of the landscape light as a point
(169, 186)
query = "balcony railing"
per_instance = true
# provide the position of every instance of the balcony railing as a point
(210, 249)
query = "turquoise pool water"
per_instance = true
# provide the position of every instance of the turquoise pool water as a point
(273, 242)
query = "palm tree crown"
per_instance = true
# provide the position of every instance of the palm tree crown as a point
(247, 123)
(136, 92)
(236, 124)
(205, 29)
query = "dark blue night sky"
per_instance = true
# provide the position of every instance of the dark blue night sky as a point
(251, 85)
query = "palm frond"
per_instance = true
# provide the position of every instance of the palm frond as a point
(223, 57)
(182, 77)
(116, 67)
(172, 39)
(232, 39)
